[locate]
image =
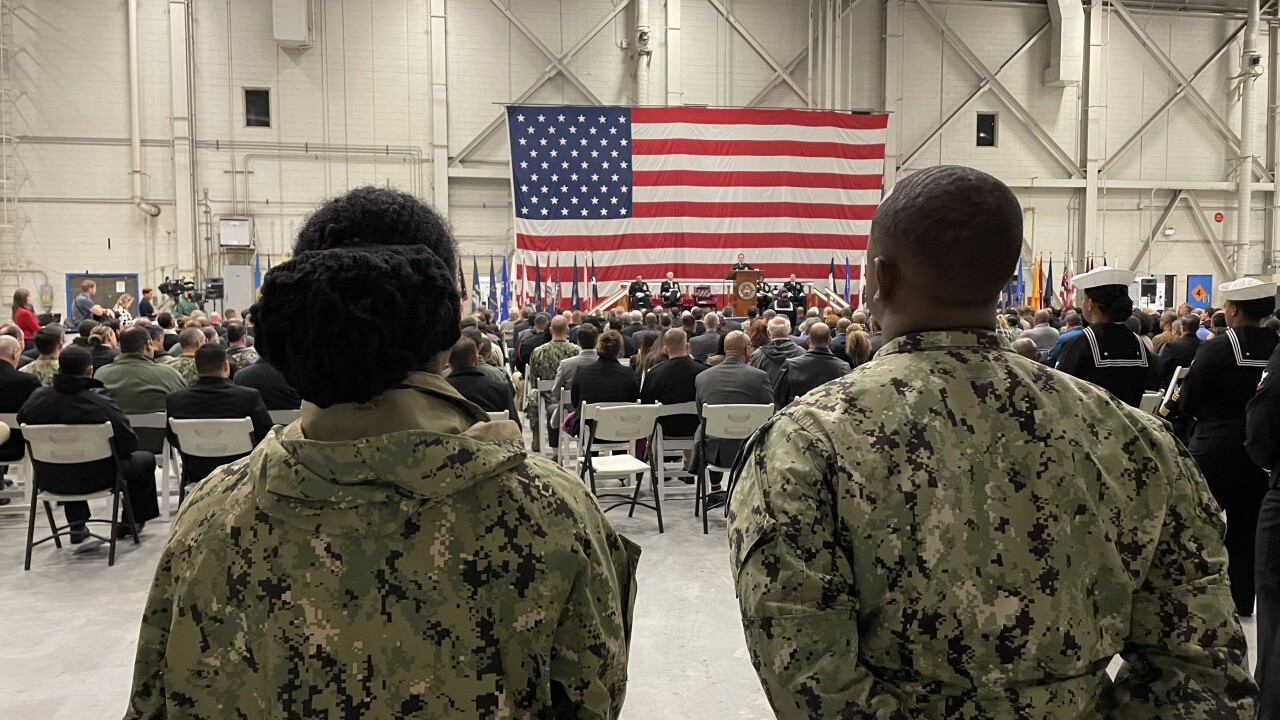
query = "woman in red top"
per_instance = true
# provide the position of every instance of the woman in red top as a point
(23, 316)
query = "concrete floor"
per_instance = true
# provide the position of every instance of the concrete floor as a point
(69, 627)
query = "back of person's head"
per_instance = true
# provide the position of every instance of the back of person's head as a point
(1043, 317)
(1168, 317)
(1026, 347)
(609, 344)
(635, 317)
(779, 327)
(688, 324)
(369, 217)
(588, 333)
(918, 226)
(665, 321)
(1219, 321)
(13, 331)
(651, 321)
(1112, 300)
(10, 348)
(819, 335)
(210, 335)
(101, 335)
(752, 313)
(711, 320)
(675, 342)
(235, 333)
(1134, 325)
(697, 313)
(469, 321)
(857, 346)
(155, 333)
(74, 361)
(758, 333)
(49, 338)
(1189, 324)
(1255, 310)
(737, 344)
(135, 340)
(191, 338)
(464, 354)
(859, 317)
(481, 340)
(387, 291)
(211, 358)
(540, 322)
(842, 325)
(166, 320)
(1072, 319)
(559, 326)
(86, 328)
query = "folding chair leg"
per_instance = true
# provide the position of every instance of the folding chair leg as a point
(115, 520)
(128, 514)
(53, 525)
(635, 496)
(31, 531)
(705, 512)
(657, 499)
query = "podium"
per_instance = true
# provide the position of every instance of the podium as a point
(743, 288)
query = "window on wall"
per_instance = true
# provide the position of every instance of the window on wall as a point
(986, 131)
(257, 107)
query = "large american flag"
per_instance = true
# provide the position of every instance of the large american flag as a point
(644, 191)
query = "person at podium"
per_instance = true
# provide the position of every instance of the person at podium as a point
(670, 292)
(742, 263)
(639, 294)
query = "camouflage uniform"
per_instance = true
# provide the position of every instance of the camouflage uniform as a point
(543, 365)
(43, 368)
(953, 531)
(186, 367)
(242, 357)
(436, 573)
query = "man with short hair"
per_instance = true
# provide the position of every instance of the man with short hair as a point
(1167, 331)
(72, 400)
(814, 368)
(952, 531)
(190, 340)
(465, 377)
(146, 308)
(48, 341)
(538, 336)
(777, 351)
(15, 389)
(841, 339)
(634, 325)
(672, 382)
(138, 385)
(587, 335)
(732, 382)
(184, 306)
(84, 308)
(238, 350)
(1182, 351)
(214, 396)
(1042, 333)
(276, 392)
(742, 263)
(543, 365)
(167, 324)
(709, 343)
(1072, 325)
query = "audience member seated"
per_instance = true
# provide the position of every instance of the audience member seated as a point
(270, 384)
(605, 380)
(1182, 350)
(779, 349)
(71, 400)
(710, 342)
(190, 340)
(840, 339)
(15, 388)
(102, 346)
(648, 354)
(672, 383)
(813, 369)
(49, 344)
(543, 365)
(14, 332)
(732, 382)
(165, 321)
(634, 326)
(138, 385)
(1026, 347)
(1043, 334)
(24, 317)
(537, 338)
(588, 335)
(1072, 325)
(478, 387)
(239, 353)
(214, 396)
(858, 347)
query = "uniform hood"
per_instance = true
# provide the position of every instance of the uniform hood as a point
(370, 485)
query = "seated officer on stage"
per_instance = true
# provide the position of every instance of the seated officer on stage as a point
(640, 297)
(670, 292)
(764, 296)
(742, 264)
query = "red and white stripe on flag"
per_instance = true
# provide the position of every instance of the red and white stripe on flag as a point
(790, 189)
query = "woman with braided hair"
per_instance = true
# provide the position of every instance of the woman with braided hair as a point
(391, 554)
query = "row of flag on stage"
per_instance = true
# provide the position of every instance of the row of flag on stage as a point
(524, 290)
(848, 275)
(1043, 293)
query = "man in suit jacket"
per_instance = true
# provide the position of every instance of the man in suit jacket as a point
(276, 393)
(534, 340)
(72, 400)
(672, 382)
(732, 382)
(810, 370)
(473, 384)
(213, 396)
(635, 325)
(709, 343)
(15, 389)
(1180, 352)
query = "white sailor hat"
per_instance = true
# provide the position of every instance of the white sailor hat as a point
(1104, 275)
(1247, 289)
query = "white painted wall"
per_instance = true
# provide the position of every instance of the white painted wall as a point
(365, 83)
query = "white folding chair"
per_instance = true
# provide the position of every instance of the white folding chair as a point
(284, 417)
(19, 472)
(211, 438)
(1179, 374)
(663, 446)
(725, 422)
(74, 445)
(562, 450)
(1150, 402)
(543, 435)
(158, 420)
(499, 416)
(624, 424)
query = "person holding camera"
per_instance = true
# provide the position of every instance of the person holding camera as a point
(184, 305)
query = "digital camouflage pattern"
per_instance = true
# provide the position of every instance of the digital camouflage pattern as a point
(186, 367)
(953, 531)
(413, 575)
(43, 368)
(543, 365)
(242, 357)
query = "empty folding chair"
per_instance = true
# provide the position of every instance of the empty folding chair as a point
(67, 446)
(226, 440)
(663, 445)
(724, 422)
(624, 425)
(158, 421)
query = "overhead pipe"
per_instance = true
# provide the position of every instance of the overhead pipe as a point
(135, 123)
(643, 52)
(1066, 55)
(1250, 69)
